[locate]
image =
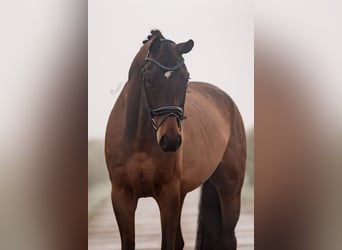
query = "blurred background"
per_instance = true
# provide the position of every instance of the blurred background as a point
(44, 111)
(222, 55)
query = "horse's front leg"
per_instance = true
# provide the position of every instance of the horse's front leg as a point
(179, 238)
(169, 202)
(124, 205)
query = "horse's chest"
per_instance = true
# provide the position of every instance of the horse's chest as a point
(144, 175)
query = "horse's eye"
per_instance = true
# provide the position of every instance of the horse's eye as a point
(186, 82)
(144, 75)
(146, 79)
(148, 83)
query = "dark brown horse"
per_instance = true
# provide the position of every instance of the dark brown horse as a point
(167, 136)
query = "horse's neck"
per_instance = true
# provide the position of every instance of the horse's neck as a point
(138, 123)
(138, 126)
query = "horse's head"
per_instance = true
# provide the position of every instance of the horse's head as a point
(165, 80)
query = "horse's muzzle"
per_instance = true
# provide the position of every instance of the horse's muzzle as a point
(168, 144)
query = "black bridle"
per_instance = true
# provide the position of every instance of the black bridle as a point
(165, 111)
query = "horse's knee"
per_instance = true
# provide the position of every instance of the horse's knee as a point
(230, 242)
(180, 244)
(179, 240)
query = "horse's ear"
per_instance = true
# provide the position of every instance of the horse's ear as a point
(186, 47)
(155, 45)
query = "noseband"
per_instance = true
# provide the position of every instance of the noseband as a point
(166, 110)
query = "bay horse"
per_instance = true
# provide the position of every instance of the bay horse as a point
(167, 136)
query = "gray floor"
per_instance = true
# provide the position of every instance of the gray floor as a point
(103, 232)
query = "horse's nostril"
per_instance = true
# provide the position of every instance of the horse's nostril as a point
(163, 142)
(178, 141)
(170, 146)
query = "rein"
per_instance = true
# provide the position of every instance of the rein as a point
(166, 110)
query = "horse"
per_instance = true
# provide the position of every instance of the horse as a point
(165, 137)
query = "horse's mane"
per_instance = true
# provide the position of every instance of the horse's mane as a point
(138, 61)
(154, 33)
